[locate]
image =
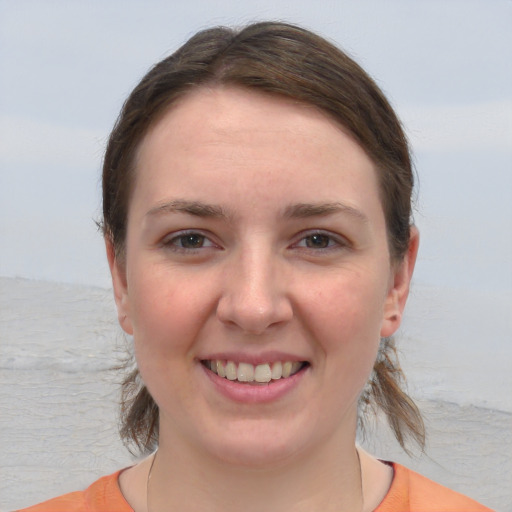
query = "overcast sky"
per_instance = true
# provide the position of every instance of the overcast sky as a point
(66, 67)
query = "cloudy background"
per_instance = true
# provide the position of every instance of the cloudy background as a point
(67, 66)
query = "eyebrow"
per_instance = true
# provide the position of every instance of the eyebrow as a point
(191, 207)
(305, 210)
(296, 211)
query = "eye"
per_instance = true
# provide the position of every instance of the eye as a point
(188, 241)
(320, 241)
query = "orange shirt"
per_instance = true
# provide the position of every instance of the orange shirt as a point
(409, 492)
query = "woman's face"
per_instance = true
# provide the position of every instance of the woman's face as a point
(256, 249)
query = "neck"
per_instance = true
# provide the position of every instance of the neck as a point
(328, 478)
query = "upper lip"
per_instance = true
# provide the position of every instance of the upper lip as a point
(254, 359)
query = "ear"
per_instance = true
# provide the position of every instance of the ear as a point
(399, 287)
(119, 283)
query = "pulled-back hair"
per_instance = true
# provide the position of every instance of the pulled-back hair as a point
(291, 62)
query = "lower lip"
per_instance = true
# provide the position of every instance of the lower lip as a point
(255, 393)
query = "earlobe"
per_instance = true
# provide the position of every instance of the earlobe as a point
(119, 284)
(399, 287)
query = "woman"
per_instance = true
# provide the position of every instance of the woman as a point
(257, 218)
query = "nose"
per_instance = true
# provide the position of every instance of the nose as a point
(254, 294)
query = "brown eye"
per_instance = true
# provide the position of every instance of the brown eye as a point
(190, 241)
(318, 241)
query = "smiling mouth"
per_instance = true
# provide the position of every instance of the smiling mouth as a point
(261, 373)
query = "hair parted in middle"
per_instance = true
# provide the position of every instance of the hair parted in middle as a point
(291, 62)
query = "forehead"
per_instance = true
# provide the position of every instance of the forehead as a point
(241, 141)
(227, 108)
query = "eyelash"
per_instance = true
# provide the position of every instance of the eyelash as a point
(174, 240)
(333, 242)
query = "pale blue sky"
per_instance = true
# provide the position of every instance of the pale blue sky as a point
(66, 67)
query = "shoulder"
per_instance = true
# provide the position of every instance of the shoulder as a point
(412, 492)
(104, 495)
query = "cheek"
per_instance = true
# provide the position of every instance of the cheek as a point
(167, 321)
(352, 302)
(167, 315)
(346, 316)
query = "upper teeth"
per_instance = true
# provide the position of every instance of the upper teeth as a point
(246, 372)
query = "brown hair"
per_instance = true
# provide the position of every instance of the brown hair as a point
(285, 60)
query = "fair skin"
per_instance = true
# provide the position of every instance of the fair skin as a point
(256, 238)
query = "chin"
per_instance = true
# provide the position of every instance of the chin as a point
(256, 446)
